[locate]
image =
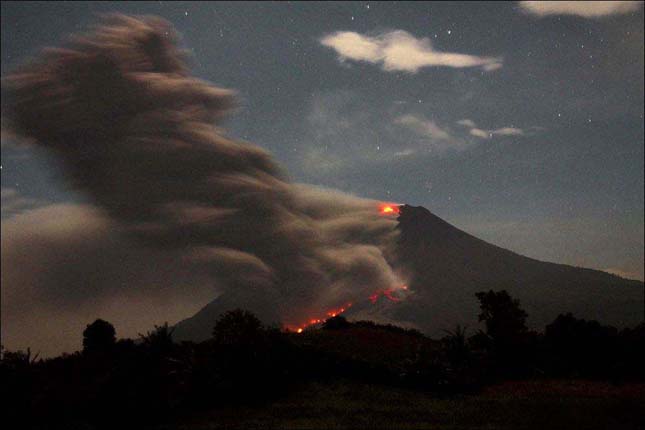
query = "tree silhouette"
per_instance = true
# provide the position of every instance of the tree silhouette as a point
(242, 359)
(99, 336)
(505, 320)
(336, 323)
(237, 327)
(580, 346)
(511, 344)
(17, 359)
(456, 345)
(159, 341)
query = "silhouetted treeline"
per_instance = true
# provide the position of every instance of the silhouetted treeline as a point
(130, 383)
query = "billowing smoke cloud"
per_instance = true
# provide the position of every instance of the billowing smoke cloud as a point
(135, 132)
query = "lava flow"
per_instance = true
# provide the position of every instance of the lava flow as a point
(389, 294)
(386, 209)
(330, 314)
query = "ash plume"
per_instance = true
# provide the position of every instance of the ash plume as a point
(135, 132)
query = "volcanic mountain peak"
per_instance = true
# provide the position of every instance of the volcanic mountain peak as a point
(409, 213)
(447, 266)
(418, 224)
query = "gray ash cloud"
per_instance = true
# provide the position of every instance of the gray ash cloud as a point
(135, 132)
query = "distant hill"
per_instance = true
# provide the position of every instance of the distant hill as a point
(447, 267)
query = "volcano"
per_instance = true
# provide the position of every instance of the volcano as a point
(447, 266)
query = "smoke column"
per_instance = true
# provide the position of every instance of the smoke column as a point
(135, 132)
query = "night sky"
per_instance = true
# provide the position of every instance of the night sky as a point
(520, 124)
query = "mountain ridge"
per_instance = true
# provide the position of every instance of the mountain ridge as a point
(447, 266)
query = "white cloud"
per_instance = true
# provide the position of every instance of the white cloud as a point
(508, 131)
(441, 138)
(400, 51)
(587, 9)
(423, 127)
(504, 131)
(434, 137)
(352, 45)
(479, 133)
(466, 123)
(485, 134)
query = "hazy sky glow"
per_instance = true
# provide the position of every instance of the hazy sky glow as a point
(520, 123)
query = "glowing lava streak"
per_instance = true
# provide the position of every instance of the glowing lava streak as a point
(387, 209)
(389, 293)
(330, 314)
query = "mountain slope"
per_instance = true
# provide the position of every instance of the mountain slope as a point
(447, 266)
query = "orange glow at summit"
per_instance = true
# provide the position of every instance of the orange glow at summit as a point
(389, 209)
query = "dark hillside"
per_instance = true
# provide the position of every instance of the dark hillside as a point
(447, 266)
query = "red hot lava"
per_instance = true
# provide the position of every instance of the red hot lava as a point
(388, 209)
(330, 314)
(389, 294)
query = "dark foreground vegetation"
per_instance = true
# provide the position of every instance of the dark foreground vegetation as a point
(576, 374)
